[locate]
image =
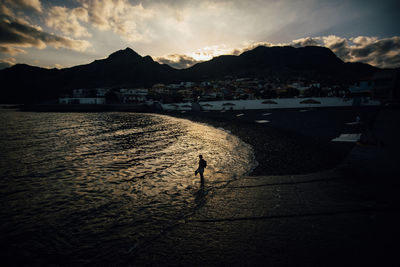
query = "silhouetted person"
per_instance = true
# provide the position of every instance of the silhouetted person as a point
(200, 169)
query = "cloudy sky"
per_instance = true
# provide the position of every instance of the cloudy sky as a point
(66, 33)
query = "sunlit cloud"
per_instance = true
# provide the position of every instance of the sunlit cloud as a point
(383, 53)
(379, 52)
(177, 61)
(68, 20)
(187, 60)
(209, 52)
(307, 41)
(23, 4)
(251, 45)
(18, 33)
(5, 11)
(338, 45)
(119, 16)
(7, 62)
(11, 50)
(184, 32)
(58, 66)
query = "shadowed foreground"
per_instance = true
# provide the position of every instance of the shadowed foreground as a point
(345, 216)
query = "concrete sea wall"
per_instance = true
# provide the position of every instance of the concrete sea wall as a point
(275, 103)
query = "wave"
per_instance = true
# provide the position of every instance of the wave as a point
(115, 178)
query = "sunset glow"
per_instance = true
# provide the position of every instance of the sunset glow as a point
(181, 33)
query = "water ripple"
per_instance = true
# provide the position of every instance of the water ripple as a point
(71, 180)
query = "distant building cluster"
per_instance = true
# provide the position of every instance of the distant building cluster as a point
(106, 96)
(383, 85)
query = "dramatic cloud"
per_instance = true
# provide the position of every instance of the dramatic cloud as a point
(68, 20)
(208, 52)
(7, 62)
(308, 41)
(191, 31)
(251, 46)
(177, 61)
(19, 33)
(188, 60)
(58, 66)
(11, 50)
(23, 4)
(5, 11)
(119, 16)
(337, 44)
(383, 53)
(181, 61)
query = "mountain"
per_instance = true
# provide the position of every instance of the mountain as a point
(23, 83)
(318, 63)
(122, 68)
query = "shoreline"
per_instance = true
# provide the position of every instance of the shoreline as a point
(292, 142)
(282, 220)
(336, 217)
(278, 220)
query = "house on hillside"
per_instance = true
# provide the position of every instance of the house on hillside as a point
(133, 96)
(92, 92)
(78, 93)
(386, 85)
(101, 92)
(299, 86)
(85, 96)
(361, 88)
(361, 92)
(82, 100)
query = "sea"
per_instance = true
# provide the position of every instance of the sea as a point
(88, 187)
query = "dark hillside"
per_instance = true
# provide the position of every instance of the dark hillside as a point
(126, 68)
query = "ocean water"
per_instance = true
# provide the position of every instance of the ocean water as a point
(87, 187)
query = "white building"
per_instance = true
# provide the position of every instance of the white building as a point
(82, 100)
(299, 86)
(361, 87)
(174, 86)
(138, 95)
(160, 89)
(79, 93)
(101, 92)
(188, 84)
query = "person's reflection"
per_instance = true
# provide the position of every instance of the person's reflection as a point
(200, 195)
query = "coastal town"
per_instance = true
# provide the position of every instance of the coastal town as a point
(199, 133)
(381, 86)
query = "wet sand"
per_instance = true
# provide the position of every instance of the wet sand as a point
(344, 216)
(293, 141)
(309, 202)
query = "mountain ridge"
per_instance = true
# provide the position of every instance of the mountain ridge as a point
(126, 68)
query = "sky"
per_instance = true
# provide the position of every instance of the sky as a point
(60, 34)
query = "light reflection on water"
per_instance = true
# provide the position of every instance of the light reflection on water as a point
(69, 181)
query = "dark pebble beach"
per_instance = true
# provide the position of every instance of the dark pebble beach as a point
(293, 141)
(321, 217)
